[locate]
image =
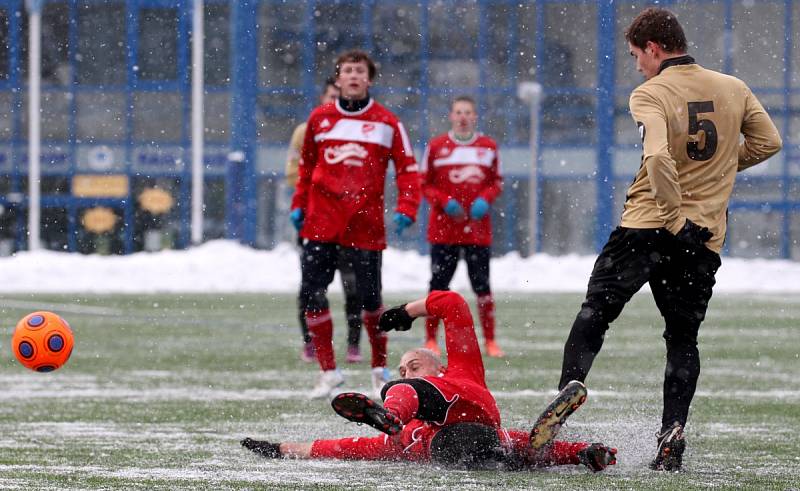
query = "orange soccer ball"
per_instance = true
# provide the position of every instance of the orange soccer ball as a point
(42, 341)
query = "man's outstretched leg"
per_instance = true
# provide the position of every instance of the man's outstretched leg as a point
(626, 262)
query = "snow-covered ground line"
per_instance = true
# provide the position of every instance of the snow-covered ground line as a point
(227, 266)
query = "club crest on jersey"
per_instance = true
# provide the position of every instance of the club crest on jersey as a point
(325, 123)
(443, 152)
(351, 154)
(468, 173)
(366, 128)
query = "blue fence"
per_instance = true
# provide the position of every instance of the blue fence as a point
(116, 100)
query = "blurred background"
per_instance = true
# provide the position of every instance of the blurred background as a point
(116, 103)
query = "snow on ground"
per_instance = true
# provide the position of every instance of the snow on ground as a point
(227, 266)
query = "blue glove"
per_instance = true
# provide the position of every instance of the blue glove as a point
(401, 222)
(479, 209)
(452, 208)
(297, 217)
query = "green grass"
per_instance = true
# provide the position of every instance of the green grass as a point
(160, 389)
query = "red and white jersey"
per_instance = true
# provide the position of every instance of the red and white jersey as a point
(342, 174)
(463, 171)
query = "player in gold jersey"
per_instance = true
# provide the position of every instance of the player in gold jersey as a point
(691, 121)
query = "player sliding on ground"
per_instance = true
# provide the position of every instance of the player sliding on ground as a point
(444, 414)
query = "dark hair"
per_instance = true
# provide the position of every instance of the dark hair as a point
(466, 445)
(356, 56)
(464, 98)
(659, 26)
(329, 82)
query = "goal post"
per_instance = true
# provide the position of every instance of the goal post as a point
(531, 93)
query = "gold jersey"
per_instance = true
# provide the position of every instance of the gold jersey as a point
(698, 128)
(293, 155)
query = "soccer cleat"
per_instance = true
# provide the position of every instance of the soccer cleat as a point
(354, 354)
(669, 455)
(380, 377)
(328, 380)
(360, 409)
(549, 423)
(263, 448)
(493, 350)
(307, 354)
(597, 456)
(432, 345)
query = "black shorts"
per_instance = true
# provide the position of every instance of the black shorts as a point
(444, 260)
(319, 263)
(681, 276)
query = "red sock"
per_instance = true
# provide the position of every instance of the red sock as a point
(320, 327)
(431, 327)
(564, 453)
(402, 400)
(486, 314)
(377, 338)
(558, 453)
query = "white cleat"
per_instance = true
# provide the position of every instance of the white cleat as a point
(328, 380)
(380, 377)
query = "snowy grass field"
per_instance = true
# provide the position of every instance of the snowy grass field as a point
(160, 389)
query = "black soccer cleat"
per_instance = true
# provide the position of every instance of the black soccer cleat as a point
(669, 455)
(597, 456)
(263, 448)
(555, 415)
(360, 409)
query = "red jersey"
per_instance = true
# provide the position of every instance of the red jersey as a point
(342, 174)
(462, 171)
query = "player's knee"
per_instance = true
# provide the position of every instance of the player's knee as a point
(681, 339)
(316, 300)
(596, 310)
(372, 303)
(481, 287)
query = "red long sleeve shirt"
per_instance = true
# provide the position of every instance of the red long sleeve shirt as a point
(342, 175)
(463, 171)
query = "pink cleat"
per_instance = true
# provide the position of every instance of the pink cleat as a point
(307, 354)
(354, 354)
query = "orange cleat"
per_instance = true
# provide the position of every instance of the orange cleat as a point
(493, 350)
(432, 345)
